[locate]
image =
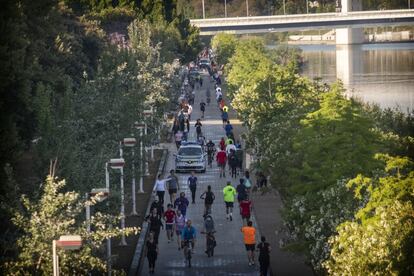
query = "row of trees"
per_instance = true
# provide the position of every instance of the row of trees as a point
(69, 95)
(344, 169)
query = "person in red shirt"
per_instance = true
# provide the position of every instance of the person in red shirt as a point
(169, 217)
(221, 158)
(245, 209)
(222, 144)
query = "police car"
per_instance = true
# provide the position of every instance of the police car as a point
(190, 157)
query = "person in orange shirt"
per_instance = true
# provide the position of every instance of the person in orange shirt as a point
(249, 233)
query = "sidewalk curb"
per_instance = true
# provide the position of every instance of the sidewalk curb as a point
(138, 258)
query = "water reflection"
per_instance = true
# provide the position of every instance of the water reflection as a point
(379, 73)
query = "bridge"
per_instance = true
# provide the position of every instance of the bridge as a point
(264, 24)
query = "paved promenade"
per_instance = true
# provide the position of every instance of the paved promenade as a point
(230, 255)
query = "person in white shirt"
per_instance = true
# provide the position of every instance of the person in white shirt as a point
(160, 187)
(230, 147)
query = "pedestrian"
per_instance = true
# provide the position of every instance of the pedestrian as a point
(179, 226)
(169, 217)
(229, 192)
(181, 203)
(192, 184)
(160, 187)
(224, 117)
(152, 252)
(222, 144)
(247, 182)
(264, 256)
(241, 191)
(202, 108)
(156, 204)
(228, 128)
(209, 198)
(230, 147)
(249, 233)
(221, 159)
(173, 186)
(209, 230)
(233, 163)
(198, 126)
(154, 220)
(245, 209)
(178, 138)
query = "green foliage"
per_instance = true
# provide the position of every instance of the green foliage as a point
(379, 240)
(334, 142)
(224, 46)
(57, 214)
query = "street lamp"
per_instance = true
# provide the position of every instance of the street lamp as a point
(284, 7)
(100, 195)
(204, 12)
(247, 7)
(225, 8)
(140, 127)
(73, 242)
(118, 164)
(131, 142)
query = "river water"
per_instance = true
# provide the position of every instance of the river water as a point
(376, 73)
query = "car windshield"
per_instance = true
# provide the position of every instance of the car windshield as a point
(189, 151)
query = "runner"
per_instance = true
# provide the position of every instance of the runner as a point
(264, 256)
(179, 226)
(249, 233)
(182, 203)
(209, 198)
(224, 117)
(169, 217)
(245, 209)
(229, 192)
(173, 186)
(228, 128)
(152, 252)
(211, 148)
(221, 159)
(192, 184)
(246, 181)
(241, 191)
(222, 144)
(156, 204)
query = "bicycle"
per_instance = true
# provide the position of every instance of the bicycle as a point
(210, 156)
(188, 251)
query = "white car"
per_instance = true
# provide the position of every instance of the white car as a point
(190, 157)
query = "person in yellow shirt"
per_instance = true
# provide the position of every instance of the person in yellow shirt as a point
(249, 233)
(229, 193)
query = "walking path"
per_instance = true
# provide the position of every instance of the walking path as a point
(230, 256)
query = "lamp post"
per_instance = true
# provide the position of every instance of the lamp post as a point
(73, 242)
(131, 142)
(204, 12)
(108, 240)
(101, 194)
(307, 6)
(148, 113)
(140, 127)
(247, 7)
(118, 164)
(225, 8)
(284, 7)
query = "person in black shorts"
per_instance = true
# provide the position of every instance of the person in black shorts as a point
(264, 256)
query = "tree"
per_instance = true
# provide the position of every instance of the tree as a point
(335, 142)
(224, 45)
(57, 214)
(379, 240)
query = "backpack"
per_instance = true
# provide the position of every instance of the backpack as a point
(247, 183)
(209, 224)
(209, 197)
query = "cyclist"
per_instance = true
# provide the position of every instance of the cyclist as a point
(188, 237)
(209, 230)
(211, 148)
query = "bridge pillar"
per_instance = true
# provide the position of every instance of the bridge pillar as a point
(348, 36)
(349, 63)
